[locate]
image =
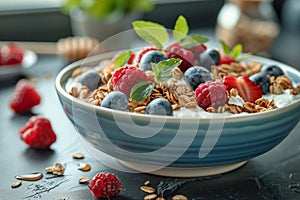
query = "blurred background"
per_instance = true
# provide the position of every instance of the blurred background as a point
(51, 20)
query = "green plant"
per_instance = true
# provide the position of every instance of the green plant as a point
(107, 8)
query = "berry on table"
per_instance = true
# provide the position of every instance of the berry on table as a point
(91, 79)
(262, 80)
(38, 132)
(196, 75)
(159, 106)
(212, 94)
(25, 97)
(247, 89)
(209, 58)
(11, 54)
(272, 70)
(115, 100)
(151, 57)
(124, 78)
(105, 185)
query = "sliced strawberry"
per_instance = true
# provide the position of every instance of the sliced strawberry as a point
(225, 59)
(247, 89)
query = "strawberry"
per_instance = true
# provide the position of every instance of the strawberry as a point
(225, 59)
(25, 97)
(247, 89)
(11, 54)
(38, 133)
(104, 185)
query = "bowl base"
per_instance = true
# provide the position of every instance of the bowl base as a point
(182, 172)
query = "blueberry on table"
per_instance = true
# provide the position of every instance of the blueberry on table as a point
(91, 79)
(272, 70)
(209, 58)
(196, 75)
(116, 100)
(159, 106)
(151, 57)
(262, 80)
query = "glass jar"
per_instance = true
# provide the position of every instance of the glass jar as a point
(252, 23)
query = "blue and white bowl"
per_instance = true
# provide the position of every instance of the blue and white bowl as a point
(186, 146)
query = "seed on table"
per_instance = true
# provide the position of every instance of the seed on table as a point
(83, 180)
(30, 177)
(16, 184)
(147, 182)
(84, 167)
(147, 189)
(150, 196)
(78, 155)
(179, 197)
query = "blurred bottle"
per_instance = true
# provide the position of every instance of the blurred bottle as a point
(252, 23)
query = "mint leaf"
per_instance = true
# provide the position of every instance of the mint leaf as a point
(236, 51)
(141, 91)
(225, 47)
(181, 29)
(163, 69)
(151, 32)
(243, 56)
(122, 59)
(192, 41)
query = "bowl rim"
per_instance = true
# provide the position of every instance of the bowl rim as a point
(61, 79)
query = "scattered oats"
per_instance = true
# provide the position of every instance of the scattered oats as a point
(16, 184)
(160, 198)
(78, 155)
(150, 196)
(30, 177)
(147, 189)
(56, 169)
(179, 197)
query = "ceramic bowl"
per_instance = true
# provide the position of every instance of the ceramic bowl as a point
(188, 146)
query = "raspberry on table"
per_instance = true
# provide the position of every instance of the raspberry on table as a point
(38, 132)
(126, 77)
(104, 185)
(212, 94)
(25, 97)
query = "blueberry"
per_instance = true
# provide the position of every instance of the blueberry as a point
(196, 75)
(91, 79)
(151, 57)
(209, 58)
(115, 100)
(159, 106)
(262, 80)
(272, 70)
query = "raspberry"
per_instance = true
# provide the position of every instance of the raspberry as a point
(25, 97)
(104, 185)
(211, 94)
(11, 54)
(174, 50)
(38, 133)
(126, 77)
(197, 50)
(139, 55)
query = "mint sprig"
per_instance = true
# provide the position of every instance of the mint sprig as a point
(122, 59)
(236, 52)
(181, 29)
(163, 69)
(180, 34)
(151, 32)
(141, 91)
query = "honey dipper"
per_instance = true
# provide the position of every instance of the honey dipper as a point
(76, 48)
